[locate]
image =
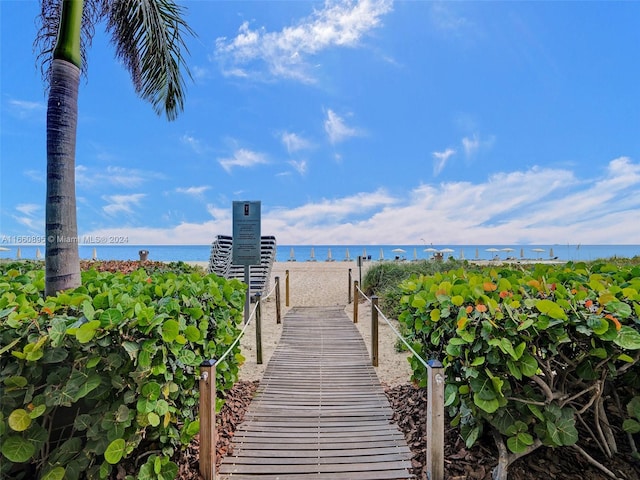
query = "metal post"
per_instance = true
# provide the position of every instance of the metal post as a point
(278, 319)
(247, 300)
(208, 419)
(286, 288)
(374, 331)
(349, 296)
(258, 330)
(435, 420)
(355, 301)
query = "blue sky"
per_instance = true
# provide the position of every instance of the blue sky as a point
(359, 122)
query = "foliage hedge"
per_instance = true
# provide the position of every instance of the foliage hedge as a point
(108, 371)
(533, 356)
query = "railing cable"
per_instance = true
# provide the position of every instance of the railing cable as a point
(420, 359)
(251, 316)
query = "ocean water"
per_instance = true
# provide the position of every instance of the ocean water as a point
(301, 253)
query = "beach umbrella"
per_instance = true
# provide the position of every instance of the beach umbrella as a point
(19, 253)
(522, 253)
(4, 249)
(312, 255)
(551, 253)
(364, 252)
(507, 249)
(461, 254)
(477, 253)
(381, 254)
(430, 249)
(329, 255)
(492, 250)
(447, 250)
(398, 250)
(38, 254)
(415, 253)
(95, 254)
(537, 250)
(347, 257)
(292, 256)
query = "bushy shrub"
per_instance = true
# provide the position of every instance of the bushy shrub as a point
(108, 370)
(530, 354)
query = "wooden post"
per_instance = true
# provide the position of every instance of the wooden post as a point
(435, 420)
(286, 288)
(258, 329)
(374, 331)
(208, 419)
(278, 314)
(349, 295)
(247, 300)
(355, 301)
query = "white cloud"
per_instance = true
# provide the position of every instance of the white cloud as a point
(121, 203)
(92, 177)
(242, 158)
(440, 160)
(472, 145)
(198, 146)
(25, 108)
(286, 53)
(535, 206)
(30, 215)
(294, 142)
(28, 208)
(299, 166)
(336, 128)
(193, 191)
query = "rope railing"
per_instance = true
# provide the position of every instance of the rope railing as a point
(251, 316)
(208, 437)
(398, 334)
(435, 386)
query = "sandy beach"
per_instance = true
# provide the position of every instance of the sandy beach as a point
(320, 284)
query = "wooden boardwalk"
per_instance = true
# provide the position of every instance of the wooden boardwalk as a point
(320, 411)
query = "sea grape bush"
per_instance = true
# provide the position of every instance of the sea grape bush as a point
(531, 353)
(109, 370)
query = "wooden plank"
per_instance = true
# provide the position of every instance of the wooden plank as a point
(320, 411)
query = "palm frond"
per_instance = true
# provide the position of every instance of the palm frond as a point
(49, 23)
(149, 40)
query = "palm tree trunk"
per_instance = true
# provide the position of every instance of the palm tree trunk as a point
(61, 255)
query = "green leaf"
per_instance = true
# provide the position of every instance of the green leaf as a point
(19, 420)
(551, 308)
(115, 451)
(489, 406)
(528, 365)
(57, 331)
(57, 473)
(418, 303)
(192, 333)
(170, 330)
(88, 310)
(17, 449)
(110, 317)
(628, 338)
(151, 390)
(91, 383)
(621, 309)
(87, 331)
(519, 442)
(15, 382)
(37, 411)
(472, 437)
(153, 418)
(631, 426)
